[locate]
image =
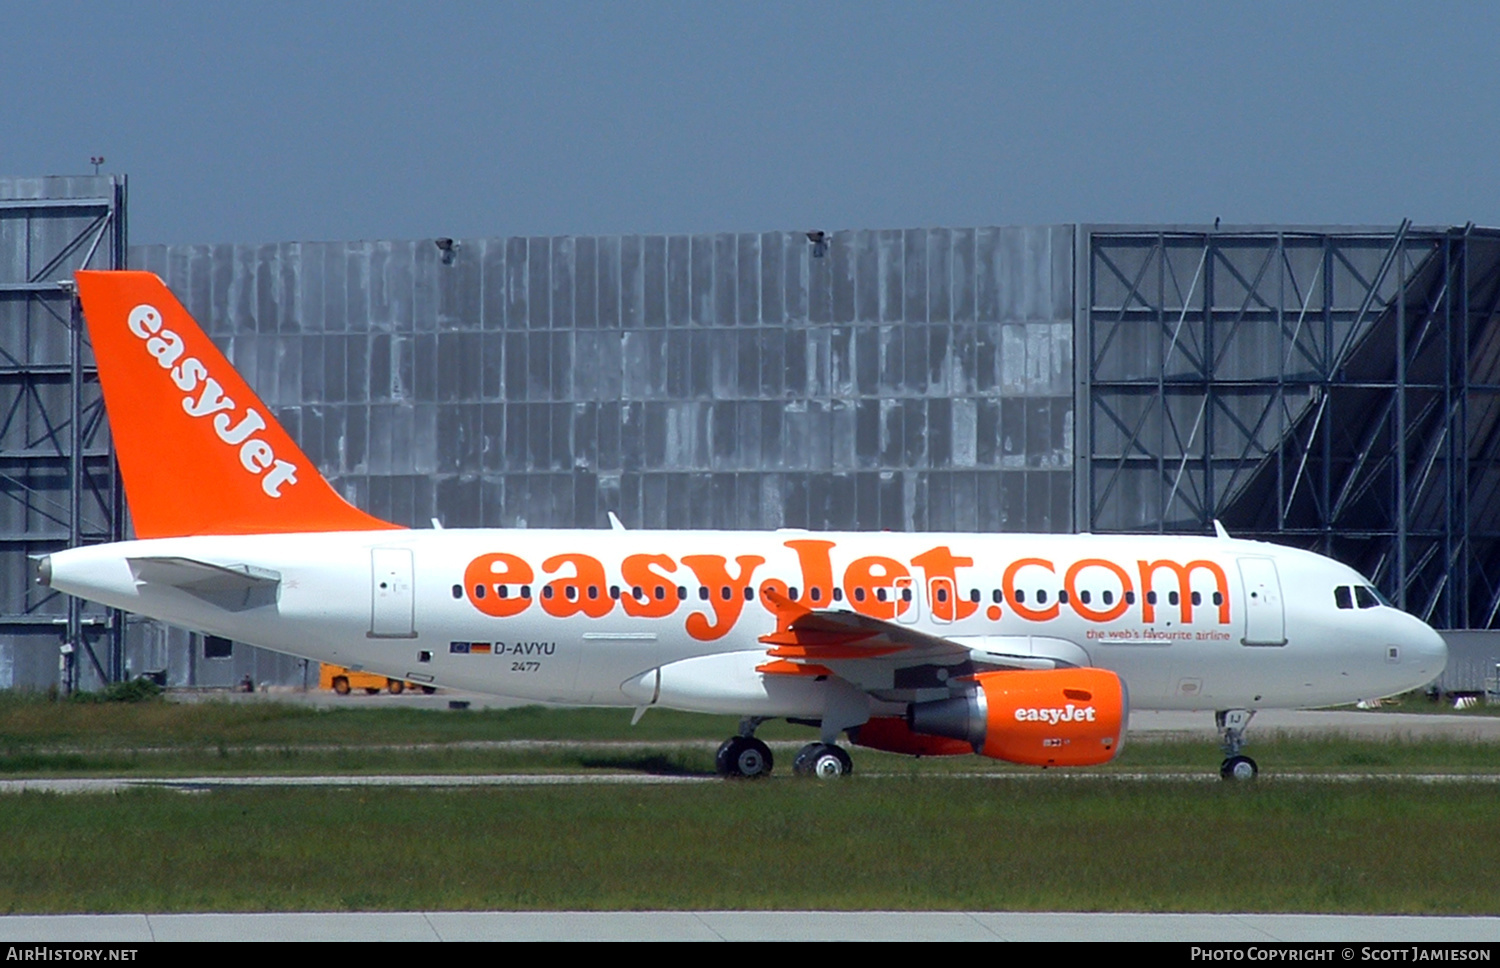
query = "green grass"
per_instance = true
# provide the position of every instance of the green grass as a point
(893, 843)
(46, 738)
(31, 718)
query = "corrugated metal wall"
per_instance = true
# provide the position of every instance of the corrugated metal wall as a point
(910, 380)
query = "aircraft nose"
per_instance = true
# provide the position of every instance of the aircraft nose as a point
(1426, 652)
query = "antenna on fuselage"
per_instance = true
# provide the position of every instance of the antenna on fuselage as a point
(614, 522)
(1219, 530)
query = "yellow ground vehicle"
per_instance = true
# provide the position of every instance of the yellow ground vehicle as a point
(342, 681)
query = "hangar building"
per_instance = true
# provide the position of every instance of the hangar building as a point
(1332, 387)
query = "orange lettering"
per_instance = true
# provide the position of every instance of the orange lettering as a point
(487, 575)
(940, 566)
(714, 576)
(1070, 582)
(1184, 587)
(817, 573)
(658, 594)
(866, 578)
(1008, 585)
(569, 596)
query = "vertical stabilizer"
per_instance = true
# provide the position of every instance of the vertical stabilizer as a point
(198, 450)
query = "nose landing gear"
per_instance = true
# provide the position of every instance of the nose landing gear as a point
(1232, 724)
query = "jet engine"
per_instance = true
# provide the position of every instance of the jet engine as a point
(1052, 717)
(892, 735)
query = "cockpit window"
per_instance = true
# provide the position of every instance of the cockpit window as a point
(1365, 596)
(1343, 597)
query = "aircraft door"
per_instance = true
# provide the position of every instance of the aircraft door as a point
(393, 602)
(940, 603)
(1265, 618)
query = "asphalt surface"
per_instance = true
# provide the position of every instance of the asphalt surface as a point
(1334, 930)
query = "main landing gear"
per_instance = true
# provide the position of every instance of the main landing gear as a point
(822, 760)
(744, 755)
(1232, 724)
(747, 757)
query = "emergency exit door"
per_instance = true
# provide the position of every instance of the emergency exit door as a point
(1265, 617)
(393, 604)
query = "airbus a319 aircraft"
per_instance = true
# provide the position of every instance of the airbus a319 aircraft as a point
(1026, 648)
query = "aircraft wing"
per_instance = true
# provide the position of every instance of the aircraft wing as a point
(891, 660)
(234, 588)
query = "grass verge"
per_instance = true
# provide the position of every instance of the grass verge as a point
(866, 843)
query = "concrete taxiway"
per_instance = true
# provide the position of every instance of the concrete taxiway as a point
(747, 926)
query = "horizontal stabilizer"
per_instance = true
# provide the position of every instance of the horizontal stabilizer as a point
(234, 588)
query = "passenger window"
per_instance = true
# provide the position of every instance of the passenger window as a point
(1172, 598)
(1130, 598)
(1041, 596)
(1197, 599)
(479, 591)
(879, 594)
(1020, 597)
(458, 591)
(1342, 597)
(1062, 596)
(1218, 598)
(703, 593)
(725, 593)
(859, 594)
(973, 594)
(1084, 596)
(682, 593)
(1109, 598)
(838, 594)
(995, 596)
(1151, 598)
(817, 594)
(614, 591)
(525, 591)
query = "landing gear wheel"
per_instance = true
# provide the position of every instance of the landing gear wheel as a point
(396, 686)
(744, 756)
(822, 760)
(1238, 769)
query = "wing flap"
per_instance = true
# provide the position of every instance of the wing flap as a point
(868, 652)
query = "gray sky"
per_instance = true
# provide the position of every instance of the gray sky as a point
(278, 122)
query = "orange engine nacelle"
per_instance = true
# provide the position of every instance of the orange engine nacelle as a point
(1056, 717)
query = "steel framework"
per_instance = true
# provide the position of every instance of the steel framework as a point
(58, 481)
(1333, 388)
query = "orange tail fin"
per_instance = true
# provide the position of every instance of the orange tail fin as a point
(198, 450)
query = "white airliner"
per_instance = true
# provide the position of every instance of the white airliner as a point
(1026, 648)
